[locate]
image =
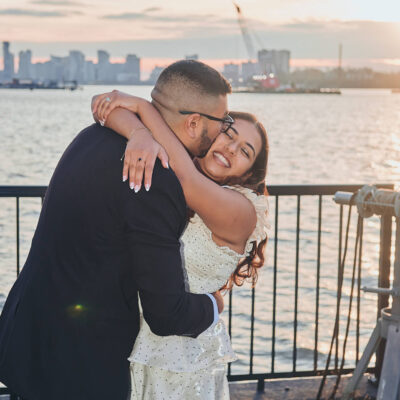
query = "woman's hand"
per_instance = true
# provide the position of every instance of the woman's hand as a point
(103, 104)
(140, 155)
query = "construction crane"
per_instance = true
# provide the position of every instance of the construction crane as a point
(264, 81)
(245, 33)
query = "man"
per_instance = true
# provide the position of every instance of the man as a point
(72, 317)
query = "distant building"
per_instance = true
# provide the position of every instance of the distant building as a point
(8, 58)
(103, 66)
(89, 72)
(231, 72)
(117, 72)
(132, 69)
(75, 66)
(58, 69)
(42, 72)
(155, 73)
(192, 57)
(249, 69)
(274, 61)
(25, 65)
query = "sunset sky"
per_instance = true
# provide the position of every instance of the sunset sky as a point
(159, 31)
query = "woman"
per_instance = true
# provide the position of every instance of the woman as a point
(222, 245)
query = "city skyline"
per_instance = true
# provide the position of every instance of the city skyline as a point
(76, 67)
(311, 30)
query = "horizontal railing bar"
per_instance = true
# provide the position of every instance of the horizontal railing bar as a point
(274, 190)
(297, 374)
(22, 191)
(314, 190)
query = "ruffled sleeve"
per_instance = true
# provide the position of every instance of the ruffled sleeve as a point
(260, 203)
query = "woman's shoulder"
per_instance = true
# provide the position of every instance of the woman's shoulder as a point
(260, 204)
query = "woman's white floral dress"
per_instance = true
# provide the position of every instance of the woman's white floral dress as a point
(178, 367)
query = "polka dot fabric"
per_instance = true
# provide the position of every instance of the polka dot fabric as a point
(179, 367)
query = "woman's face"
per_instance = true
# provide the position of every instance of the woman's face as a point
(233, 153)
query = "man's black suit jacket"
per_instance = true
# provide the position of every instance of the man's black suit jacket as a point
(71, 318)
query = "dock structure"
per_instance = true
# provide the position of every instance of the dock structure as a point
(291, 389)
(261, 374)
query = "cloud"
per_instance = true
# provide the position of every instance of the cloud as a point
(57, 3)
(144, 15)
(152, 9)
(128, 16)
(220, 37)
(32, 13)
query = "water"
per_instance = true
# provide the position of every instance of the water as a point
(314, 139)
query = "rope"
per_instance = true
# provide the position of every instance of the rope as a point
(340, 286)
(353, 280)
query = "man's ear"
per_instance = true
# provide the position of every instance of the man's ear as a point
(192, 123)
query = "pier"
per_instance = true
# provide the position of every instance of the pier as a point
(268, 376)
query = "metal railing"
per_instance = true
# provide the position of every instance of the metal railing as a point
(299, 191)
(277, 192)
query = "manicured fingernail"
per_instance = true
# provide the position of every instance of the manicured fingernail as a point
(137, 188)
(124, 178)
(147, 186)
(131, 185)
(167, 164)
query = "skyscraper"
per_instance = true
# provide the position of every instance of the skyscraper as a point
(103, 66)
(132, 68)
(76, 66)
(25, 65)
(8, 58)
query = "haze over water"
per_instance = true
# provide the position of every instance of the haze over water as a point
(314, 139)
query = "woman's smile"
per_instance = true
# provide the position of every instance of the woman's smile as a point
(221, 159)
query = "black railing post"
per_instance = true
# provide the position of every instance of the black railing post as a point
(230, 324)
(383, 280)
(318, 283)
(260, 385)
(296, 286)
(17, 234)
(338, 284)
(275, 285)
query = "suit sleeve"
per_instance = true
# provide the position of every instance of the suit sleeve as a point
(154, 221)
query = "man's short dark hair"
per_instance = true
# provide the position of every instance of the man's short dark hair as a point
(203, 77)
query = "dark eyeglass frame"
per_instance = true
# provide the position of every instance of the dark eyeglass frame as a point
(228, 120)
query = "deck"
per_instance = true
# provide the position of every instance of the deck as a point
(290, 389)
(298, 389)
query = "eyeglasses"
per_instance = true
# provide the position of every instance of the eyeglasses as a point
(226, 122)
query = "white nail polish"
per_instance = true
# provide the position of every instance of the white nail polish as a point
(137, 188)
(124, 178)
(131, 185)
(147, 186)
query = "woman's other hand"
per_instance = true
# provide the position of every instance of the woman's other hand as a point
(140, 155)
(103, 104)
